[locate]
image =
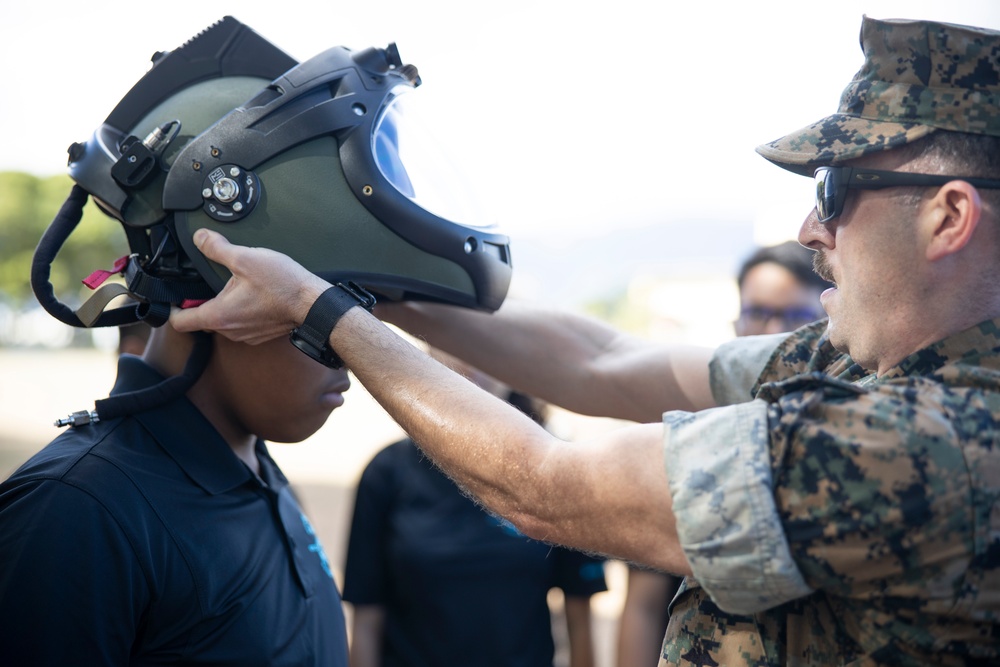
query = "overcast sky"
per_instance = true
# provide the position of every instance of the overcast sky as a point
(574, 117)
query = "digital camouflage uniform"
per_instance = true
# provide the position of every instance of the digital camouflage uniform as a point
(831, 517)
(918, 77)
(887, 490)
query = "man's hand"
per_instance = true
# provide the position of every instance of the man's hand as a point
(268, 295)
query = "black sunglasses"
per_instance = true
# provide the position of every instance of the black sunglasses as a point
(832, 184)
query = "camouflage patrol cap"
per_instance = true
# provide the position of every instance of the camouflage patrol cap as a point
(918, 77)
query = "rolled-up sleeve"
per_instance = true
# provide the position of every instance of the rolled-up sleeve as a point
(718, 464)
(736, 365)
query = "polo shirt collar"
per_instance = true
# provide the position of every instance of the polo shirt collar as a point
(189, 438)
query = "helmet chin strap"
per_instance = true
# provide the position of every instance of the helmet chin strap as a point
(169, 390)
(164, 392)
(154, 313)
(154, 294)
(41, 265)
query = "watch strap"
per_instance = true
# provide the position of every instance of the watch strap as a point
(312, 337)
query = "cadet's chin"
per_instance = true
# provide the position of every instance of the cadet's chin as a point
(296, 429)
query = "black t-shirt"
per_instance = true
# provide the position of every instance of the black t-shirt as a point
(459, 586)
(145, 540)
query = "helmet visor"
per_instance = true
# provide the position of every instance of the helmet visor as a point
(418, 167)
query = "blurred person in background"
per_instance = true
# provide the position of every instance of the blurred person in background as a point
(779, 291)
(435, 579)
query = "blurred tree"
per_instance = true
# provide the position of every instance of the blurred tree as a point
(27, 206)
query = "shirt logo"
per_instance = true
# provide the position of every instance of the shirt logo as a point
(316, 547)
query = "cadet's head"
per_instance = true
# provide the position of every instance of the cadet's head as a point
(907, 188)
(271, 390)
(779, 291)
(325, 161)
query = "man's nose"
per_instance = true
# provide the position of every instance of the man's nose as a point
(814, 234)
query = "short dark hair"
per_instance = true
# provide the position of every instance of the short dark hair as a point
(789, 255)
(959, 154)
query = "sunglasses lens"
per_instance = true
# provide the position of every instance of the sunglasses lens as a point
(826, 194)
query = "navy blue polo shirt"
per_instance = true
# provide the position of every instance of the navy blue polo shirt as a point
(145, 540)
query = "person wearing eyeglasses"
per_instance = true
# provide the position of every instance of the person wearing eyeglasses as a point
(831, 495)
(779, 290)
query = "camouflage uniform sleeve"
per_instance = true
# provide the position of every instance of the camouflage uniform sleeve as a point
(736, 365)
(719, 465)
(873, 489)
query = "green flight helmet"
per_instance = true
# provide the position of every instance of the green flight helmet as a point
(325, 161)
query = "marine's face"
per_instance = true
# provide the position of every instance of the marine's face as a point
(868, 252)
(273, 390)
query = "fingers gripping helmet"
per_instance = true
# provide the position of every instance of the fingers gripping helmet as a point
(324, 161)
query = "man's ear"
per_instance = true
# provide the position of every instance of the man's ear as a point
(953, 215)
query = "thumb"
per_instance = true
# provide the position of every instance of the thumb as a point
(214, 246)
(183, 321)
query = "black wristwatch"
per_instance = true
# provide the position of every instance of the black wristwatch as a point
(313, 336)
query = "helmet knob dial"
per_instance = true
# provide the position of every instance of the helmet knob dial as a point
(230, 193)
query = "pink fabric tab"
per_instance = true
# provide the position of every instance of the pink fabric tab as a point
(192, 303)
(97, 278)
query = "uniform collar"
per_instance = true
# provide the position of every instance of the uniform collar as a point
(968, 358)
(188, 437)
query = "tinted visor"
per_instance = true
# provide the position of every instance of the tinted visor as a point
(417, 166)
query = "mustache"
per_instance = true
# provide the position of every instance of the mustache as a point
(821, 265)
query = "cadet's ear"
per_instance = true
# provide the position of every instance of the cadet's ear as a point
(953, 215)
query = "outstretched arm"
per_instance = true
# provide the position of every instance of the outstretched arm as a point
(608, 495)
(569, 360)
